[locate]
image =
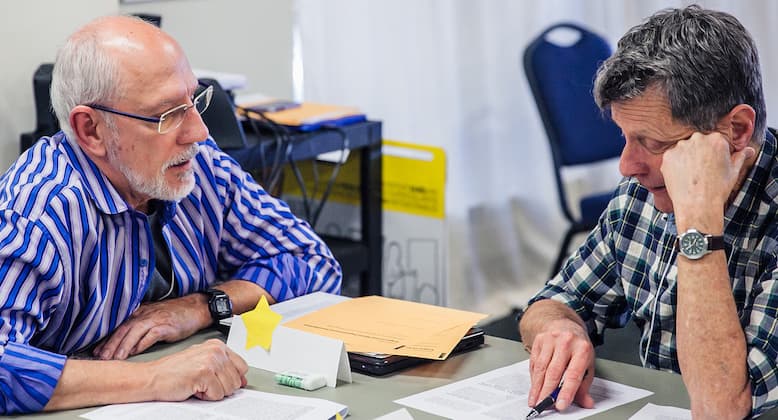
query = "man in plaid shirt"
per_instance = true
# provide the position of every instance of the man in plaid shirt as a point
(688, 246)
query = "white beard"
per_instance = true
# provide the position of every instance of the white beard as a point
(156, 187)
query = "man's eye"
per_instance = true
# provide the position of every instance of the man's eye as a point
(657, 147)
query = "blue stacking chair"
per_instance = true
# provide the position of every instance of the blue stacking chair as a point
(561, 78)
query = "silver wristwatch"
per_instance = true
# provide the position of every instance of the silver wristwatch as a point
(694, 244)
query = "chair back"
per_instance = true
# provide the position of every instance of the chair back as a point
(46, 123)
(561, 79)
(221, 120)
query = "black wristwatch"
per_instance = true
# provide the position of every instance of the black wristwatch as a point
(219, 304)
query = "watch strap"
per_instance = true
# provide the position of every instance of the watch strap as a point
(715, 242)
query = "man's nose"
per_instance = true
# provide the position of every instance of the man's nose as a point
(631, 162)
(194, 128)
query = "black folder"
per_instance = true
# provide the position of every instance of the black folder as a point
(377, 364)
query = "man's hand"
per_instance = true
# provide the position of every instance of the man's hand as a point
(701, 172)
(208, 371)
(166, 321)
(560, 346)
(564, 351)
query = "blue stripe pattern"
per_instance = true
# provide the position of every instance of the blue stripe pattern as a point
(75, 260)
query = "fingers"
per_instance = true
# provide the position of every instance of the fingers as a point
(140, 336)
(574, 377)
(152, 336)
(556, 356)
(739, 158)
(582, 397)
(225, 376)
(539, 360)
(107, 349)
(208, 371)
(222, 383)
(132, 337)
(169, 320)
(702, 171)
(240, 365)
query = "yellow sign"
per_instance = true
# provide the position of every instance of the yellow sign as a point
(414, 179)
(260, 324)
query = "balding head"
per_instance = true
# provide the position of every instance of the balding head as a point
(106, 57)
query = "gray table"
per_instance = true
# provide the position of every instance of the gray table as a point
(369, 397)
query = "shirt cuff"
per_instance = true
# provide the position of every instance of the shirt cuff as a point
(28, 376)
(764, 383)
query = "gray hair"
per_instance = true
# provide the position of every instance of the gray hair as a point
(84, 73)
(704, 61)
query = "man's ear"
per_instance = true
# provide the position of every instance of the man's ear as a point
(739, 122)
(90, 130)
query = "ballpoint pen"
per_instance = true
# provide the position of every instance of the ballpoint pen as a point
(548, 401)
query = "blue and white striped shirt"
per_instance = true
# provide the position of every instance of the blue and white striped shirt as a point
(75, 260)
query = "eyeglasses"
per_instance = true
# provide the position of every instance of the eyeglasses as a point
(173, 118)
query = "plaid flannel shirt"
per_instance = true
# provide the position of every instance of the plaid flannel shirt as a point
(626, 269)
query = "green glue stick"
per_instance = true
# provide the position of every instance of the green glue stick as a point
(306, 381)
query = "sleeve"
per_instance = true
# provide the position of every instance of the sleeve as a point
(28, 293)
(266, 243)
(762, 341)
(589, 281)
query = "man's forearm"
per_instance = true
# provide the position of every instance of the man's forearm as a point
(209, 371)
(711, 344)
(244, 294)
(86, 383)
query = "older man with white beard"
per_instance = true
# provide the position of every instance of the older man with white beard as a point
(131, 227)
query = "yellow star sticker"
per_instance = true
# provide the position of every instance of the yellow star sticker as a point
(260, 324)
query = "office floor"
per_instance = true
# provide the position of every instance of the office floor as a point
(620, 345)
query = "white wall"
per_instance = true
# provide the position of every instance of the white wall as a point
(252, 37)
(31, 31)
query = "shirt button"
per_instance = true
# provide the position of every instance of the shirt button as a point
(144, 262)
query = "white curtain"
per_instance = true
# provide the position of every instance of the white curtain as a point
(447, 73)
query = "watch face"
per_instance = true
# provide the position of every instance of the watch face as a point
(693, 244)
(222, 305)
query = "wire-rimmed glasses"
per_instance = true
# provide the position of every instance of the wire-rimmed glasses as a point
(173, 118)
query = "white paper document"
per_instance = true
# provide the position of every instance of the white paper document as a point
(244, 404)
(299, 306)
(661, 412)
(401, 414)
(502, 394)
(305, 304)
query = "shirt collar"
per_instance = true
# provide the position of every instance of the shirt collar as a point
(97, 186)
(760, 183)
(759, 186)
